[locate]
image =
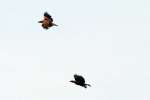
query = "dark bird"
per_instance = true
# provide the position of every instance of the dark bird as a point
(79, 80)
(47, 22)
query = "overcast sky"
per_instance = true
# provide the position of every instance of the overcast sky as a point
(106, 41)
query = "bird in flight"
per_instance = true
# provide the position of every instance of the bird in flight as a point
(47, 22)
(79, 80)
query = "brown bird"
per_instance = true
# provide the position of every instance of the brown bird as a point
(47, 22)
(79, 80)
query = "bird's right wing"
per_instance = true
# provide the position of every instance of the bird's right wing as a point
(48, 16)
(79, 78)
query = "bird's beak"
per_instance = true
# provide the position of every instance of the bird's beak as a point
(72, 81)
(40, 21)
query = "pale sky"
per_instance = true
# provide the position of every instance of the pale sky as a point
(106, 41)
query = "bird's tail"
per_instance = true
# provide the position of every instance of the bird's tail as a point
(55, 24)
(88, 85)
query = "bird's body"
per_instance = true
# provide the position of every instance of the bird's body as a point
(47, 22)
(79, 80)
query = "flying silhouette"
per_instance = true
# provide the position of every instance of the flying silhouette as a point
(47, 22)
(79, 80)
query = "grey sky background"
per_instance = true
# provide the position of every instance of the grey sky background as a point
(106, 41)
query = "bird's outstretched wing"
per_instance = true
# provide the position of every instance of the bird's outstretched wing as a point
(79, 78)
(48, 16)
